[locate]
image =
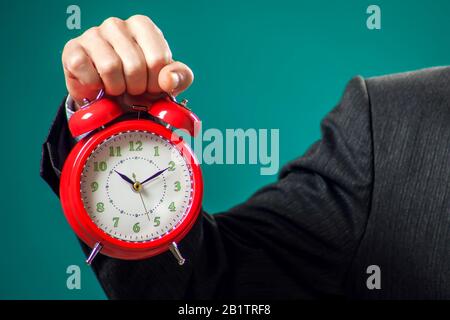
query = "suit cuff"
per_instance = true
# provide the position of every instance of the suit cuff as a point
(55, 148)
(70, 107)
(70, 110)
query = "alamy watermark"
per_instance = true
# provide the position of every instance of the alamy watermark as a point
(373, 21)
(236, 146)
(373, 282)
(73, 21)
(73, 281)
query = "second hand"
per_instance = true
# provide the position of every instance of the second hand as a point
(146, 212)
(137, 187)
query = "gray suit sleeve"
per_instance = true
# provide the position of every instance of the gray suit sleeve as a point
(295, 238)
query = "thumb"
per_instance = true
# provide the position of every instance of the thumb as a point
(175, 78)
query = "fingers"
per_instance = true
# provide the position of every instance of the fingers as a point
(106, 60)
(130, 56)
(82, 79)
(154, 47)
(175, 78)
(134, 66)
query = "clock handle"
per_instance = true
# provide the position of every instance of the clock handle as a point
(93, 115)
(98, 246)
(176, 114)
(173, 247)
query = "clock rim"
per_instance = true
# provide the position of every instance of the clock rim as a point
(81, 222)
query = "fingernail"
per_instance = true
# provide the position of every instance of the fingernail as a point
(176, 78)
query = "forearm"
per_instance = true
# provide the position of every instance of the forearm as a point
(157, 278)
(217, 264)
(293, 239)
(56, 148)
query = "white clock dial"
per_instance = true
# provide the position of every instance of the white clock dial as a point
(123, 199)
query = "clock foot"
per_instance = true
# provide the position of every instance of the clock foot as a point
(176, 253)
(98, 246)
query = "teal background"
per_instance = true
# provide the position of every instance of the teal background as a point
(258, 64)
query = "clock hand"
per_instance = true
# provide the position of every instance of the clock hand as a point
(138, 187)
(124, 177)
(146, 212)
(154, 176)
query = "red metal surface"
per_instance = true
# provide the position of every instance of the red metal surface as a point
(94, 116)
(78, 217)
(176, 115)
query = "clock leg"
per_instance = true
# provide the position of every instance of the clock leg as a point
(98, 246)
(176, 253)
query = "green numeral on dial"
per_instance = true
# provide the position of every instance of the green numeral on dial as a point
(100, 166)
(156, 151)
(136, 227)
(100, 207)
(171, 166)
(135, 145)
(94, 186)
(172, 207)
(156, 221)
(116, 221)
(177, 186)
(114, 152)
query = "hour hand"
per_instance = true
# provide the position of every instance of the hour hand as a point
(124, 177)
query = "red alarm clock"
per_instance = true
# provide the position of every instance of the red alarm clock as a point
(131, 188)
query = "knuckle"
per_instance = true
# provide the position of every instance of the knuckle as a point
(91, 33)
(70, 43)
(112, 22)
(145, 22)
(135, 69)
(109, 67)
(159, 60)
(75, 61)
(67, 47)
(140, 18)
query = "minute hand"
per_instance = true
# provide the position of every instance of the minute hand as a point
(154, 176)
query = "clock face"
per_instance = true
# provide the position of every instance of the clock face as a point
(136, 186)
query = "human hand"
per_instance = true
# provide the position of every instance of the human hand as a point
(130, 59)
